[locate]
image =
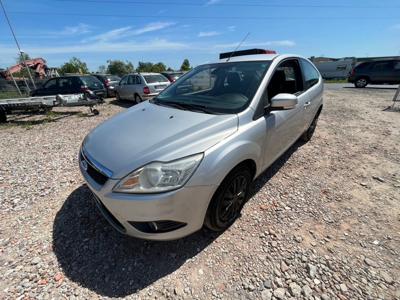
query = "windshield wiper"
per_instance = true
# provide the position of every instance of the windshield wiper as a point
(187, 106)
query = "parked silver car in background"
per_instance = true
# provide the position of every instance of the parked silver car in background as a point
(140, 86)
(201, 143)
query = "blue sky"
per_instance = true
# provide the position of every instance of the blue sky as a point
(171, 30)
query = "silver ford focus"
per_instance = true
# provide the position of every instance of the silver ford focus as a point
(164, 168)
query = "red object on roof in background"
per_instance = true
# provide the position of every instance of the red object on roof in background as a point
(246, 52)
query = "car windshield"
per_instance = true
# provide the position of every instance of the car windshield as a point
(155, 78)
(216, 88)
(91, 82)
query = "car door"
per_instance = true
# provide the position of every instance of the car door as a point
(312, 91)
(381, 72)
(284, 126)
(395, 77)
(121, 88)
(49, 88)
(130, 88)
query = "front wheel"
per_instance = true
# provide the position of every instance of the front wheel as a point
(361, 83)
(228, 200)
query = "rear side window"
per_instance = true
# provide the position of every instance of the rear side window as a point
(310, 74)
(114, 78)
(363, 66)
(382, 66)
(154, 78)
(51, 84)
(91, 82)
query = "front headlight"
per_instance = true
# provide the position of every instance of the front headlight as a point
(159, 177)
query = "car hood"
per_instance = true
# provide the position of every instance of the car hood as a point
(148, 132)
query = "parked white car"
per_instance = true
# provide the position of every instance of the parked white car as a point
(140, 86)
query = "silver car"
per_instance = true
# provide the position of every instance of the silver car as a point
(140, 86)
(201, 143)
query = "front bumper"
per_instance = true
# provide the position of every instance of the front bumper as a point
(186, 206)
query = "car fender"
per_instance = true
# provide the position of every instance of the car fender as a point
(219, 160)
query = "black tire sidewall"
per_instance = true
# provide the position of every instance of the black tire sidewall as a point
(213, 221)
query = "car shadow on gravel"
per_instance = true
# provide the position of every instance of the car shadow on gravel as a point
(94, 255)
(122, 103)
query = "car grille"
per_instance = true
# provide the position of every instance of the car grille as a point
(95, 174)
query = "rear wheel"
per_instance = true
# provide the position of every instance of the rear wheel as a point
(138, 99)
(361, 82)
(3, 116)
(228, 200)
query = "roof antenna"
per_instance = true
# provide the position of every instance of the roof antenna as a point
(237, 47)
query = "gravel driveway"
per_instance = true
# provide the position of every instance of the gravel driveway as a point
(323, 221)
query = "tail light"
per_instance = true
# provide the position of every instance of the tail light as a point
(146, 90)
(84, 89)
(107, 82)
(353, 72)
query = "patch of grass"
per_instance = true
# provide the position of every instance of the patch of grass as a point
(10, 95)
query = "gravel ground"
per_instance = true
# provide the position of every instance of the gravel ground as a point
(323, 222)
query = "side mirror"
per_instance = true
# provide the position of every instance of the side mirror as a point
(283, 102)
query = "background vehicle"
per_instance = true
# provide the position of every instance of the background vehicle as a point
(140, 86)
(109, 81)
(71, 85)
(202, 142)
(376, 72)
(172, 76)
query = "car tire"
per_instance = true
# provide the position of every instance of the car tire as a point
(228, 200)
(361, 82)
(307, 135)
(138, 99)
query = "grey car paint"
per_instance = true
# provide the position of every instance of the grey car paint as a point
(149, 132)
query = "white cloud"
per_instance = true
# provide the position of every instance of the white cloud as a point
(81, 28)
(211, 2)
(152, 27)
(282, 43)
(208, 33)
(124, 32)
(100, 47)
(110, 35)
(231, 28)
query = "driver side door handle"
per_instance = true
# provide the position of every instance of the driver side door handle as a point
(307, 104)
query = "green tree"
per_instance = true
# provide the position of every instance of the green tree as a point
(145, 66)
(118, 67)
(170, 69)
(159, 67)
(185, 65)
(23, 57)
(74, 65)
(102, 69)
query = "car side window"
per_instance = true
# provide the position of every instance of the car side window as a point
(138, 80)
(396, 66)
(51, 84)
(310, 74)
(131, 79)
(123, 80)
(382, 66)
(287, 79)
